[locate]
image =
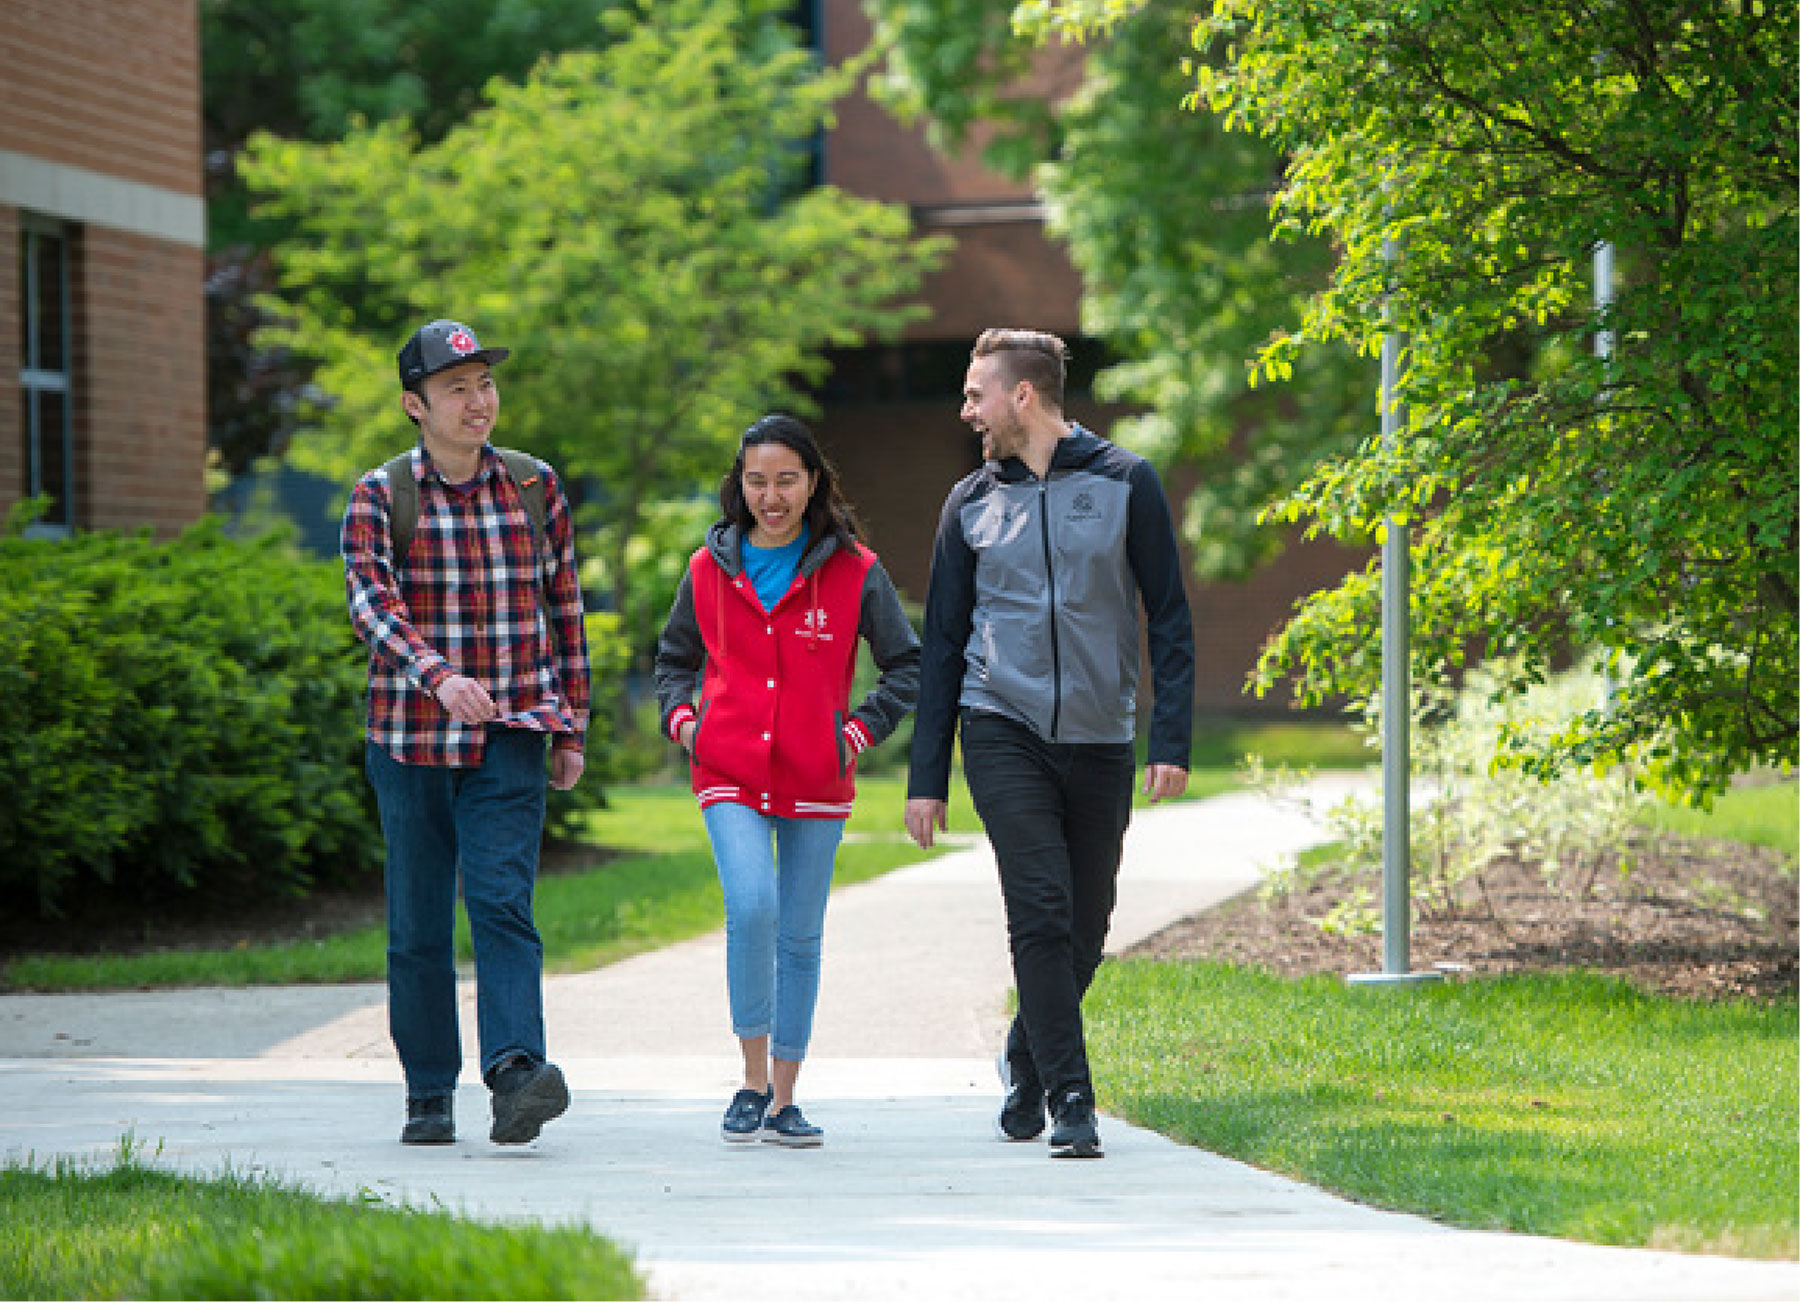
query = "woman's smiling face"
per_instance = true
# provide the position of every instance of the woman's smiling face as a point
(777, 486)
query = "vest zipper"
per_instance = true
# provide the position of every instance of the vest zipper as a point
(1050, 590)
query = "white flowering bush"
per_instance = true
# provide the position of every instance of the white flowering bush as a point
(1472, 811)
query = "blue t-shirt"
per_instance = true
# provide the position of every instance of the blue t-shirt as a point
(771, 570)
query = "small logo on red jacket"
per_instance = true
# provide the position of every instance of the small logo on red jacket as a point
(812, 624)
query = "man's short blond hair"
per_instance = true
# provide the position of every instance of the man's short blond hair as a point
(1038, 358)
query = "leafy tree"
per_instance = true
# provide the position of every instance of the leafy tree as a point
(1644, 504)
(626, 219)
(1166, 215)
(313, 69)
(310, 70)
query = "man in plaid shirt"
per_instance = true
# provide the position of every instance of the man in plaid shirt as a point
(477, 660)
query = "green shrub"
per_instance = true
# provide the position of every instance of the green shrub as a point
(1474, 812)
(176, 718)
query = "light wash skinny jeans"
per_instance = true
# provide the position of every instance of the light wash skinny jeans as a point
(776, 875)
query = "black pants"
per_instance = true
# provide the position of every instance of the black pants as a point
(1056, 815)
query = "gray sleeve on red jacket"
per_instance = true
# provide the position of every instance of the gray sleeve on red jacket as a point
(884, 626)
(680, 654)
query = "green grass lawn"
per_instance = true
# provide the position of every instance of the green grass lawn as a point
(1760, 815)
(1566, 1106)
(134, 1232)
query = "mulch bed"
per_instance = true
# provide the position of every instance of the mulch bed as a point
(1693, 919)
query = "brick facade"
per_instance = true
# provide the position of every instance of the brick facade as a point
(141, 335)
(100, 117)
(112, 86)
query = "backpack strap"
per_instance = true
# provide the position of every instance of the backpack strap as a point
(528, 477)
(403, 505)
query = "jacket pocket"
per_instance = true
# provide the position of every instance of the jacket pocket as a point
(843, 747)
(699, 727)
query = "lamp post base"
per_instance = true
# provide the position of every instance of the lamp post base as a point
(1394, 978)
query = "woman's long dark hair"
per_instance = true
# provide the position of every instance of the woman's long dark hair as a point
(827, 512)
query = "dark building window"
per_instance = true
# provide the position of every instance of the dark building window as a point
(45, 387)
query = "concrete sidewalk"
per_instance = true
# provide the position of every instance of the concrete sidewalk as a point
(911, 1197)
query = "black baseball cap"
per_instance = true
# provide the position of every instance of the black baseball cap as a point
(441, 345)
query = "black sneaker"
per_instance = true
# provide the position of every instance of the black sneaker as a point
(791, 1130)
(1074, 1134)
(526, 1095)
(1022, 1111)
(429, 1121)
(745, 1115)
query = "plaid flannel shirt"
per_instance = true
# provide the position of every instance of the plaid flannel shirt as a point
(466, 602)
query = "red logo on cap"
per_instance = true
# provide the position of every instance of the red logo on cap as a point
(461, 341)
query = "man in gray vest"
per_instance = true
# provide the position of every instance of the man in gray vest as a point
(459, 559)
(1031, 644)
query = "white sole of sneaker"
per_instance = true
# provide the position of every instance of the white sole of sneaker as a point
(793, 1141)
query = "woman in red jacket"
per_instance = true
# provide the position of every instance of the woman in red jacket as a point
(753, 673)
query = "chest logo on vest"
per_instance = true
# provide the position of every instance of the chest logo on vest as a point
(1083, 508)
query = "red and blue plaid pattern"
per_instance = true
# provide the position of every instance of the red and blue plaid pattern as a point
(466, 602)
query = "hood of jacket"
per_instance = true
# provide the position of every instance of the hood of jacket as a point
(1075, 450)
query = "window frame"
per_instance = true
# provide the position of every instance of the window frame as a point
(36, 379)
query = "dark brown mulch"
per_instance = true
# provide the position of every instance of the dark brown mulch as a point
(1693, 919)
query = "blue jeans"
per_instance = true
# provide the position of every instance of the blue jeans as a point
(485, 823)
(776, 875)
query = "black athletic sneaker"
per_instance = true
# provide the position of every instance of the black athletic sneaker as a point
(1074, 1134)
(791, 1130)
(745, 1115)
(429, 1121)
(526, 1095)
(1022, 1111)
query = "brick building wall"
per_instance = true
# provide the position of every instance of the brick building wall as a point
(110, 86)
(100, 135)
(143, 340)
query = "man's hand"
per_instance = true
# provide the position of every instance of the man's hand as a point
(566, 767)
(686, 733)
(1164, 781)
(467, 700)
(925, 818)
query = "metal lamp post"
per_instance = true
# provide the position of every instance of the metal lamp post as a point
(1396, 706)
